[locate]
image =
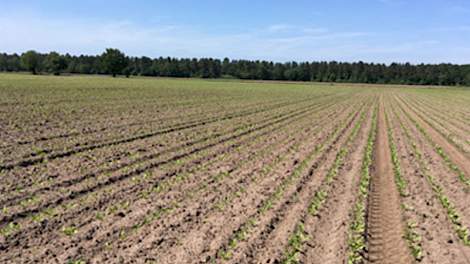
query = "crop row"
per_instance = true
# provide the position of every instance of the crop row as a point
(138, 158)
(301, 171)
(84, 138)
(357, 230)
(411, 235)
(242, 132)
(142, 135)
(452, 214)
(112, 119)
(300, 237)
(439, 150)
(440, 128)
(224, 175)
(216, 201)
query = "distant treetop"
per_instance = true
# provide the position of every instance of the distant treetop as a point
(115, 62)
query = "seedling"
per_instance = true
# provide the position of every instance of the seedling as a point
(70, 230)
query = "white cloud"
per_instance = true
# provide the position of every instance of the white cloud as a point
(77, 36)
(279, 42)
(391, 2)
(279, 28)
(314, 30)
(276, 42)
(462, 28)
(398, 48)
(287, 28)
(457, 10)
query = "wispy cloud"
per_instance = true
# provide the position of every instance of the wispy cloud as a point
(279, 42)
(295, 29)
(461, 28)
(279, 28)
(276, 42)
(399, 48)
(457, 10)
(391, 2)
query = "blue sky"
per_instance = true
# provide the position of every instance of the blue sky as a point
(429, 31)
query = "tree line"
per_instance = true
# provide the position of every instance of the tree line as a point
(114, 62)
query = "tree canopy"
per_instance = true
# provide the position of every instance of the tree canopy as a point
(115, 62)
(30, 61)
(55, 63)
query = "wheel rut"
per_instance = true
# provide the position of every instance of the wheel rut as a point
(385, 228)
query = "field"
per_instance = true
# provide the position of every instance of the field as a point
(146, 170)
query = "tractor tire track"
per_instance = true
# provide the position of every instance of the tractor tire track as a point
(384, 226)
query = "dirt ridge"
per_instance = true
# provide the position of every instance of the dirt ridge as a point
(384, 227)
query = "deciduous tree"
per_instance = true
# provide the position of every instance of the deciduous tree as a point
(30, 61)
(56, 63)
(114, 61)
